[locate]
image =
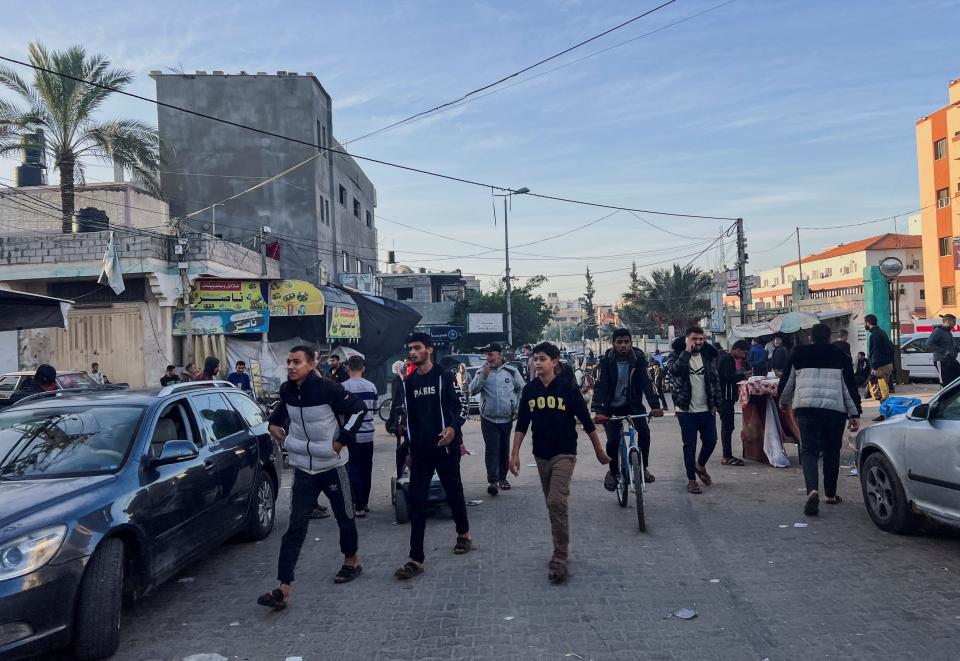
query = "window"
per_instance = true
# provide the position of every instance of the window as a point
(949, 295)
(343, 196)
(359, 266)
(827, 272)
(915, 346)
(944, 244)
(345, 261)
(369, 219)
(248, 408)
(948, 407)
(766, 283)
(943, 198)
(172, 425)
(8, 383)
(923, 294)
(217, 419)
(319, 136)
(940, 149)
(404, 293)
(326, 206)
(370, 269)
(356, 207)
(323, 214)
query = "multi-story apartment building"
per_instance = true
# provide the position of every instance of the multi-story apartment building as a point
(938, 151)
(837, 273)
(321, 210)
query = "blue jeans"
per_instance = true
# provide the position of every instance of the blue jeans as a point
(692, 424)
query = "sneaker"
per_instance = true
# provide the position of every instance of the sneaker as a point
(504, 485)
(879, 418)
(648, 477)
(492, 489)
(319, 512)
(610, 481)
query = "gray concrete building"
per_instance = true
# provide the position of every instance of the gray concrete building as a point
(322, 212)
(433, 294)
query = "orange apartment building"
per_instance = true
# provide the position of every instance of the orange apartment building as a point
(938, 164)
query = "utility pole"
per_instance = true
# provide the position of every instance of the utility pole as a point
(182, 249)
(745, 298)
(264, 231)
(506, 251)
(796, 303)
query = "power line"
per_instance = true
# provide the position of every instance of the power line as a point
(410, 120)
(307, 143)
(515, 73)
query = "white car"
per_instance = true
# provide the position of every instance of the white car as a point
(917, 359)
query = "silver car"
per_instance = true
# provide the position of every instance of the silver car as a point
(910, 465)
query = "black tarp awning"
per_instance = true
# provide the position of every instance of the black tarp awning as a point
(20, 310)
(384, 325)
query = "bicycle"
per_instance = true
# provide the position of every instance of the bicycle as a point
(632, 470)
(384, 409)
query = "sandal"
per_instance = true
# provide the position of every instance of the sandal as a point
(463, 545)
(812, 506)
(273, 599)
(408, 571)
(732, 461)
(704, 476)
(347, 574)
(359, 514)
(833, 500)
(693, 487)
(558, 571)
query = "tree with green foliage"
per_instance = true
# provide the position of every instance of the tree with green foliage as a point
(633, 315)
(675, 296)
(64, 110)
(531, 314)
(589, 323)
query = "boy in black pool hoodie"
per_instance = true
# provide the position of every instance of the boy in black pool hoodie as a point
(434, 415)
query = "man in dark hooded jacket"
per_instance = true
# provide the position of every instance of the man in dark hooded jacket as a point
(692, 370)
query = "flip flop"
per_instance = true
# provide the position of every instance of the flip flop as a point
(462, 546)
(347, 574)
(558, 571)
(732, 461)
(835, 500)
(704, 476)
(812, 506)
(408, 571)
(273, 599)
(694, 488)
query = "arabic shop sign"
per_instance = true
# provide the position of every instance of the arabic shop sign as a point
(222, 322)
(208, 294)
(343, 323)
(295, 298)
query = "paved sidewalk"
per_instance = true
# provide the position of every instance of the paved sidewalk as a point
(839, 588)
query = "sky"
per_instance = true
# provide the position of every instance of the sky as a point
(781, 112)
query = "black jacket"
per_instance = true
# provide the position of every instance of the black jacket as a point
(778, 361)
(553, 411)
(340, 374)
(730, 376)
(879, 348)
(432, 402)
(638, 384)
(678, 371)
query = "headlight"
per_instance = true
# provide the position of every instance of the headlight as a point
(30, 552)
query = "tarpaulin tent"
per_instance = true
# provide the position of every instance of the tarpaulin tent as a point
(21, 311)
(386, 324)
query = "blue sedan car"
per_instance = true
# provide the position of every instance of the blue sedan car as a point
(104, 495)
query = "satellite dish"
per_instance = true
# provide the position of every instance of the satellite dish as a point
(890, 267)
(205, 227)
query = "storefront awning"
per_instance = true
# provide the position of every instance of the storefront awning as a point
(20, 311)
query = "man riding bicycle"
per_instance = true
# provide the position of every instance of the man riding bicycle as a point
(622, 383)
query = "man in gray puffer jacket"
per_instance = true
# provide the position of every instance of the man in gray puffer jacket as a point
(818, 383)
(499, 386)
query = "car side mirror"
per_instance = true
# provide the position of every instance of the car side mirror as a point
(174, 452)
(919, 412)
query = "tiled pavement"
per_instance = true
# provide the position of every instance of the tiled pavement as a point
(839, 588)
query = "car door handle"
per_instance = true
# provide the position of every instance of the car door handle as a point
(209, 465)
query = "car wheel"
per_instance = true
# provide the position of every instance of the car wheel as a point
(263, 509)
(97, 625)
(884, 496)
(400, 506)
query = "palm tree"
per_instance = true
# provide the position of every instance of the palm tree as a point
(64, 108)
(673, 296)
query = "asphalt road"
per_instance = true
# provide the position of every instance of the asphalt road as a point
(761, 588)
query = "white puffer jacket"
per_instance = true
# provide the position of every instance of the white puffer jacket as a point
(819, 376)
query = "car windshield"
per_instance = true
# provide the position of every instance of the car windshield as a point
(65, 442)
(74, 380)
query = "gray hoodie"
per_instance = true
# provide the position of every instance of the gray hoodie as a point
(499, 392)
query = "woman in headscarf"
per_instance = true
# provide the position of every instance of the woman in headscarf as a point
(211, 367)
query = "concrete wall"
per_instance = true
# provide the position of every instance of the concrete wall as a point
(126, 205)
(295, 207)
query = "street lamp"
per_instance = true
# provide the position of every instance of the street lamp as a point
(890, 268)
(506, 253)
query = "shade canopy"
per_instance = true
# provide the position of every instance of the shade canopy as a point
(21, 311)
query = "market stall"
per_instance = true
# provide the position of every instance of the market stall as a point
(765, 428)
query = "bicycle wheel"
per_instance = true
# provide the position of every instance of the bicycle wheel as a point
(384, 411)
(637, 466)
(623, 479)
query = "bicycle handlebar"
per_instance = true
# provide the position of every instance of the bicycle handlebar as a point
(618, 418)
